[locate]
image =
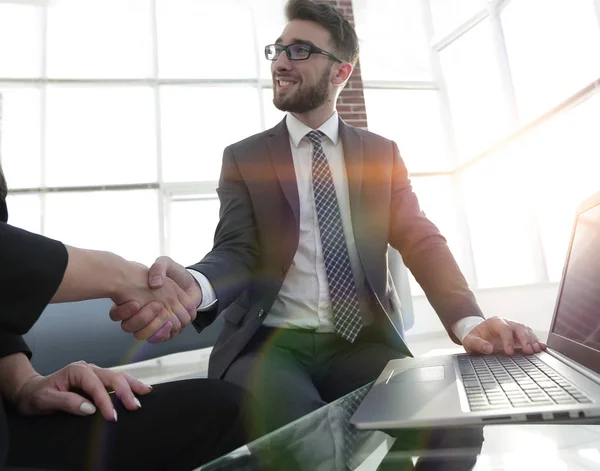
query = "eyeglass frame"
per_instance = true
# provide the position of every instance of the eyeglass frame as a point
(312, 50)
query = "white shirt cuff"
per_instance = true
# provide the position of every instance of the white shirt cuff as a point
(462, 327)
(209, 297)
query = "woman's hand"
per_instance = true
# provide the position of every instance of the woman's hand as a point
(47, 394)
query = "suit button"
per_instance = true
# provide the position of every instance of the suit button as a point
(261, 312)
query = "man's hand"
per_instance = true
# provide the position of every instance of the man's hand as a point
(151, 321)
(168, 304)
(496, 334)
(41, 395)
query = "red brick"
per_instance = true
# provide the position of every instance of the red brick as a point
(353, 99)
(346, 109)
(346, 93)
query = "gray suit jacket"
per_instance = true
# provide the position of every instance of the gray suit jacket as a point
(257, 237)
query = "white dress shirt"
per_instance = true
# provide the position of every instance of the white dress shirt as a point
(303, 301)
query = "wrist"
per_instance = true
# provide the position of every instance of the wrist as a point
(16, 372)
(129, 278)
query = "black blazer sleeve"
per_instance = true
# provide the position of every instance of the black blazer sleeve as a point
(31, 270)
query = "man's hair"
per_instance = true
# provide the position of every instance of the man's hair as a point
(3, 187)
(343, 36)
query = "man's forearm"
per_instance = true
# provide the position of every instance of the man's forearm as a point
(93, 274)
(15, 371)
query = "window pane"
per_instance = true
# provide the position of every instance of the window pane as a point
(272, 115)
(201, 39)
(20, 136)
(198, 123)
(100, 136)
(500, 221)
(568, 150)
(100, 39)
(480, 113)
(270, 22)
(448, 15)
(437, 198)
(24, 212)
(123, 222)
(20, 25)
(412, 119)
(553, 48)
(393, 42)
(192, 227)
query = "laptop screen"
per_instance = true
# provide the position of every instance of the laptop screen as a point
(577, 316)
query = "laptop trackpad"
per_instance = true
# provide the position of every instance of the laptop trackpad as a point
(418, 375)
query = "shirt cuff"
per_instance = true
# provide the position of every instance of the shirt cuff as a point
(209, 297)
(462, 327)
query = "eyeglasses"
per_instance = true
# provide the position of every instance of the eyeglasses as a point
(295, 52)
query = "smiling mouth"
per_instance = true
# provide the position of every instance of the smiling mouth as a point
(284, 83)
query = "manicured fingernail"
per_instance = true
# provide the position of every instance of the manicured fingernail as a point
(487, 348)
(137, 402)
(156, 280)
(87, 408)
(115, 415)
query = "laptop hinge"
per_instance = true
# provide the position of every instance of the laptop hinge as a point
(589, 374)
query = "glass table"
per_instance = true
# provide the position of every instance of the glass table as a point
(325, 441)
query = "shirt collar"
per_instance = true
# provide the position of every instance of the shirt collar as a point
(297, 129)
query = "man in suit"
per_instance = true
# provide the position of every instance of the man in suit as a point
(299, 265)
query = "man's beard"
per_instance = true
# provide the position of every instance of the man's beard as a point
(305, 99)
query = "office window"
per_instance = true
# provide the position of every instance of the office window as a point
(479, 108)
(393, 41)
(448, 15)
(205, 39)
(124, 222)
(99, 136)
(20, 25)
(24, 211)
(20, 139)
(412, 118)
(99, 39)
(563, 168)
(437, 198)
(501, 221)
(198, 123)
(272, 115)
(191, 228)
(553, 49)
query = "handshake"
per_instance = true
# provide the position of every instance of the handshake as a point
(155, 304)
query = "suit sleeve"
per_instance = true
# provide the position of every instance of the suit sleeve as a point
(31, 270)
(425, 252)
(230, 265)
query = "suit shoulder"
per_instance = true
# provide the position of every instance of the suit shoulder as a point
(249, 144)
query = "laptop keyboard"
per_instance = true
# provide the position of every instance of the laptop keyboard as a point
(500, 382)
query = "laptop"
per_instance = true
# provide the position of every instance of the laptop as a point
(561, 383)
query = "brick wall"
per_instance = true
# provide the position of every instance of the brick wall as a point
(351, 103)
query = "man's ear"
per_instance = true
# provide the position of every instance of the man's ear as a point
(344, 71)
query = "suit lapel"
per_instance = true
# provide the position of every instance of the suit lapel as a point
(353, 157)
(281, 156)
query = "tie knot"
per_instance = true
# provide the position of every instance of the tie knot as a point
(315, 137)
